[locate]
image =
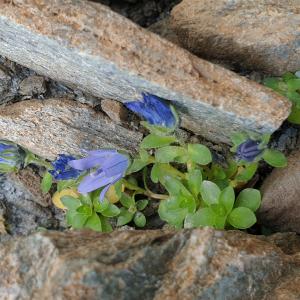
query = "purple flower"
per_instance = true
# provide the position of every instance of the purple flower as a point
(248, 150)
(108, 167)
(154, 110)
(62, 171)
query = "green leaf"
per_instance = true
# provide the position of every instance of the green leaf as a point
(84, 210)
(156, 141)
(275, 158)
(64, 184)
(231, 168)
(202, 217)
(137, 165)
(124, 217)
(158, 130)
(210, 192)
(199, 154)
(170, 211)
(287, 76)
(105, 224)
(141, 204)
(294, 116)
(217, 172)
(227, 198)
(194, 180)
(78, 220)
(272, 82)
(154, 175)
(242, 218)
(247, 173)
(70, 203)
(127, 201)
(250, 198)
(218, 209)
(237, 139)
(169, 154)
(139, 219)
(111, 211)
(46, 183)
(293, 84)
(93, 222)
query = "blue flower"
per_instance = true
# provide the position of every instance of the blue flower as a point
(10, 157)
(248, 150)
(154, 110)
(62, 171)
(107, 167)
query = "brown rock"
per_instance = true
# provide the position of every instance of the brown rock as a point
(280, 209)
(56, 126)
(32, 85)
(31, 182)
(115, 110)
(260, 35)
(85, 44)
(190, 264)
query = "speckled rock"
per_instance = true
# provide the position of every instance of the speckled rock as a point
(260, 35)
(32, 85)
(191, 264)
(20, 210)
(85, 44)
(280, 209)
(55, 126)
(115, 110)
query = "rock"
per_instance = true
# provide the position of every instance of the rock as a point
(280, 209)
(261, 35)
(189, 264)
(85, 44)
(31, 182)
(32, 85)
(21, 212)
(115, 110)
(163, 28)
(56, 126)
(4, 82)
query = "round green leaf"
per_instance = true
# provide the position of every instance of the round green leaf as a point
(275, 158)
(124, 217)
(210, 192)
(169, 154)
(250, 198)
(203, 217)
(242, 218)
(199, 154)
(156, 141)
(227, 198)
(139, 219)
(93, 222)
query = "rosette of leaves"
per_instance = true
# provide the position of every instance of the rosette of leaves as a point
(241, 170)
(289, 86)
(220, 209)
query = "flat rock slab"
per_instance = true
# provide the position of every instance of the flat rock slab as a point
(55, 126)
(260, 35)
(280, 208)
(87, 45)
(191, 264)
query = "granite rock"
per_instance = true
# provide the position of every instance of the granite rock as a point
(261, 35)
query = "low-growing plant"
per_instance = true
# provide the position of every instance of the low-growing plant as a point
(105, 188)
(289, 86)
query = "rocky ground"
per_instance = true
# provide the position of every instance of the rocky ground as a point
(50, 111)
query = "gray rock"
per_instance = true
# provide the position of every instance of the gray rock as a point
(107, 56)
(189, 264)
(60, 126)
(280, 208)
(32, 85)
(22, 213)
(261, 35)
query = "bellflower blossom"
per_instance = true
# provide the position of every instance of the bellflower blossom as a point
(154, 110)
(62, 171)
(10, 157)
(248, 150)
(107, 166)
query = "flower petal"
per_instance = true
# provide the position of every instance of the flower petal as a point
(91, 183)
